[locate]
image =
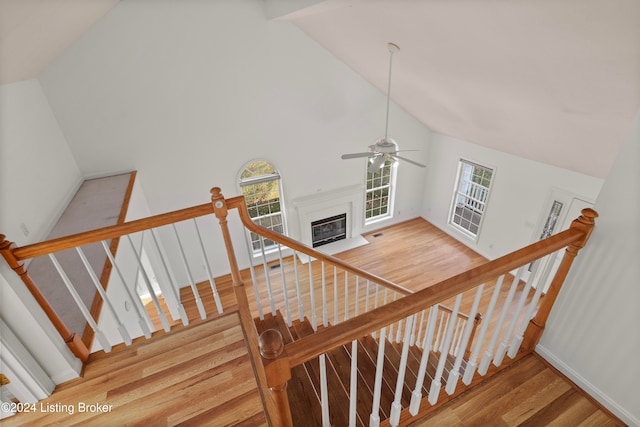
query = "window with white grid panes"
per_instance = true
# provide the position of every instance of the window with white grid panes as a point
(261, 188)
(379, 192)
(470, 197)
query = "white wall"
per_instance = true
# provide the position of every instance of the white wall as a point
(592, 333)
(518, 199)
(186, 92)
(38, 173)
(38, 177)
(25, 318)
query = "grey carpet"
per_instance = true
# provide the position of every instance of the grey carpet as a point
(96, 204)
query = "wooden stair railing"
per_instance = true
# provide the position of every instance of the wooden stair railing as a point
(140, 322)
(304, 395)
(515, 333)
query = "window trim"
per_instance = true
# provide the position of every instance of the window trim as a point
(392, 193)
(276, 176)
(456, 192)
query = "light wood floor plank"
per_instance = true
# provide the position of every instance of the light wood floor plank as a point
(201, 375)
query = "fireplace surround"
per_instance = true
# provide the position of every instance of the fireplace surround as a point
(347, 201)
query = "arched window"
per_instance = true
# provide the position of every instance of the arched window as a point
(379, 189)
(261, 187)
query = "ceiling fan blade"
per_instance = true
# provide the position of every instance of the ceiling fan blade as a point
(410, 161)
(357, 155)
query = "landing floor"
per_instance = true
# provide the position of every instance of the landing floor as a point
(199, 375)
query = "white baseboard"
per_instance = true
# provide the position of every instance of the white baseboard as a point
(69, 374)
(589, 388)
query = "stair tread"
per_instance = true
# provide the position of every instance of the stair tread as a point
(304, 388)
(390, 369)
(338, 395)
(369, 348)
(302, 398)
(341, 359)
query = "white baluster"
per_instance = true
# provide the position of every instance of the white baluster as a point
(412, 340)
(436, 346)
(357, 295)
(346, 295)
(335, 295)
(192, 283)
(143, 317)
(324, 394)
(205, 261)
(147, 282)
(533, 305)
(366, 300)
(96, 282)
(325, 310)
(106, 346)
(502, 348)
(267, 279)
(416, 395)
(172, 281)
(457, 336)
(436, 384)
(454, 373)
(486, 359)
(420, 328)
(353, 387)
(374, 418)
(396, 406)
(285, 291)
(472, 363)
(145, 278)
(298, 294)
(391, 325)
(252, 270)
(312, 297)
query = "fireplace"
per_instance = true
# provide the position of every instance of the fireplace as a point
(329, 230)
(344, 204)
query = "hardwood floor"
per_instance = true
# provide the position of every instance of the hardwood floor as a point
(201, 375)
(527, 394)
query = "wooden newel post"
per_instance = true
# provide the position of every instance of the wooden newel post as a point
(585, 223)
(278, 372)
(72, 340)
(272, 371)
(220, 210)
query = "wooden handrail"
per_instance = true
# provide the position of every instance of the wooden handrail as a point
(110, 232)
(314, 345)
(535, 328)
(73, 341)
(238, 203)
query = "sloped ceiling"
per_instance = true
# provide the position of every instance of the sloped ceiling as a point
(33, 33)
(552, 81)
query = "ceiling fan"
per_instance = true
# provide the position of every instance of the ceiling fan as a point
(385, 148)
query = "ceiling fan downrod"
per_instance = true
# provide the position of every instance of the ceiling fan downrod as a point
(393, 48)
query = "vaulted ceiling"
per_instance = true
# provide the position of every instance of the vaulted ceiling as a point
(552, 81)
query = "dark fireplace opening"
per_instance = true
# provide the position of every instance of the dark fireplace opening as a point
(329, 230)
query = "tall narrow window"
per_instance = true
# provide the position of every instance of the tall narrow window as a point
(470, 197)
(261, 187)
(379, 191)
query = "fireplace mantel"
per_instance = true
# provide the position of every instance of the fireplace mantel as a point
(324, 204)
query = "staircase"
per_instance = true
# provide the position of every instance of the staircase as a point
(304, 388)
(342, 314)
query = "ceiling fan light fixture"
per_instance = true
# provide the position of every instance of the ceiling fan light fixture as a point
(375, 164)
(385, 148)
